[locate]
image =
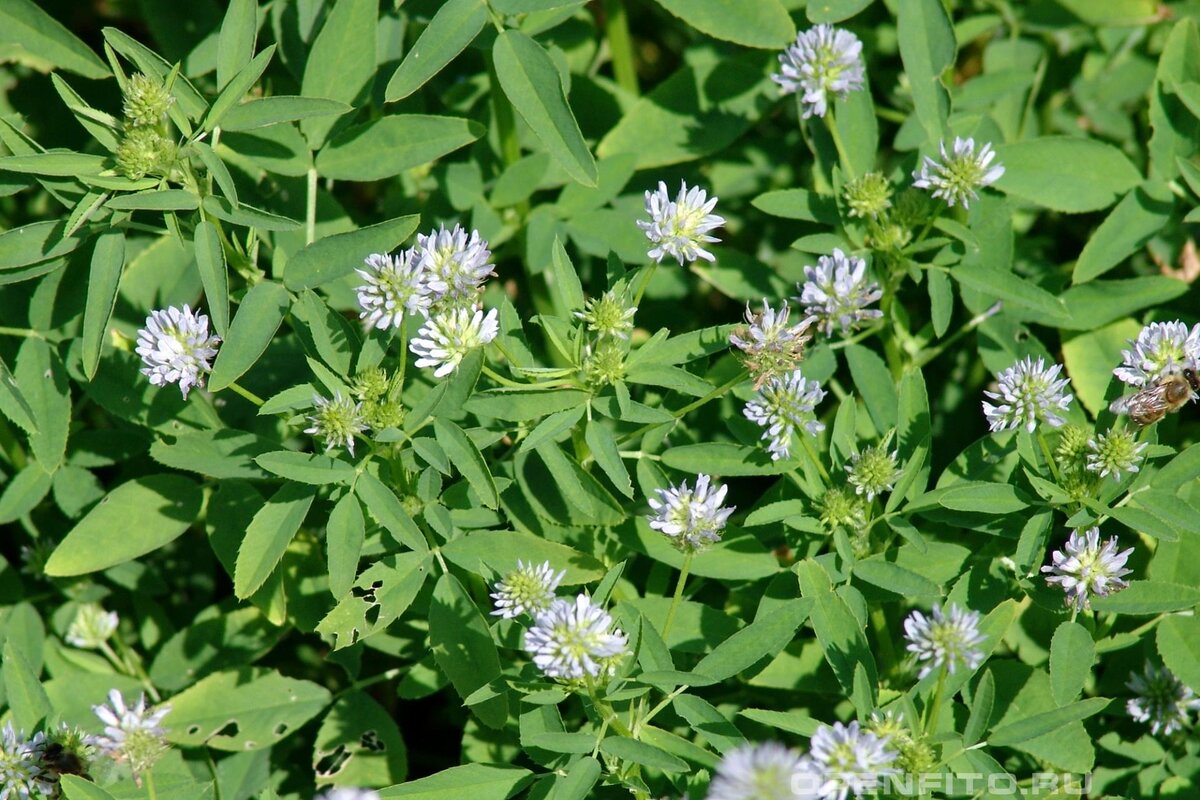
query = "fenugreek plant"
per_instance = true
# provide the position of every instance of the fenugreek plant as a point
(476, 399)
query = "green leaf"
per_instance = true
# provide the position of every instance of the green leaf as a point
(23, 492)
(724, 459)
(1140, 215)
(603, 445)
(761, 638)
(268, 536)
(941, 301)
(104, 276)
(252, 329)
(578, 782)
(38, 241)
(263, 705)
(210, 258)
(156, 200)
(43, 382)
(344, 536)
(219, 172)
(311, 468)
(1178, 640)
(1006, 286)
(982, 702)
(798, 204)
(341, 63)
(531, 82)
(26, 26)
(476, 781)
(564, 282)
(453, 27)
(927, 48)
(1066, 173)
(839, 632)
(26, 698)
(387, 147)
(518, 405)
(834, 10)
(1089, 358)
(264, 111)
(752, 23)
(1071, 654)
(224, 454)
(13, 403)
(875, 385)
(237, 88)
(247, 216)
(235, 42)
(332, 257)
(136, 518)
(895, 578)
(1100, 302)
(388, 587)
(1024, 730)
(76, 788)
(496, 553)
(56, 164)
(386, 507)
(1149, 597)
(359, 744)
(467, 459)
(463, 648)
(639, 752)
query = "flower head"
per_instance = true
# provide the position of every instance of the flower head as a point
(771, 346)
(133, 734)
(603, 362)
(869, 196)
(448, 335)
(574, 639)
(766, 771)
(679, 227)
(608, 315)
(783, 405)
(346, 793)
(850, 759)
(92, 626)
(1162, 700)
(1029, 393)
(873, 471)
(1160, 348)
(841, 509)
(144, 151)
(837, 292)
(529, 589)
(823, 61)
(21, 776)
(146, 101)
(1084, 568)
(337, 421)
(691, 518)
(960, 173)
(176, 347)
(1113, 452)
(949, 638)
(457, 264)
(57, 744)
(394, 285)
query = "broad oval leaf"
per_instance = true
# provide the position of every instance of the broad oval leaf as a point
(1066, 173)
(389, 146)
(753, 23)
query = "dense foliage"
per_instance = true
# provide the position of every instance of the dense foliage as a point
(489, 398)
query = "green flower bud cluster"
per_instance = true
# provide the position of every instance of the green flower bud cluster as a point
(146, 147)
(371, 387)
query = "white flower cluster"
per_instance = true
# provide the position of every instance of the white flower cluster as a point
(961, 172)
(21, 772)
(1028, 393)
(680, 228)
(132, 733)
(91, 627)
(837, 293)
(691, 518)
(949, 639)
(1162, 700)
(783, 406)
(1160, 348)
(1084, 568)
(176, 347)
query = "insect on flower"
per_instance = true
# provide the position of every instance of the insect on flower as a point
(1165, 396)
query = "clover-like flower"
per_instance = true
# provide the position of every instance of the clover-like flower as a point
(873, 471)
(395, 285)
(449, 335)
(782, 406)
(529, 589)
(766, 771)
(608, 315)
(457, 263)
(951, 638)
(691, 518)
(868, 196)
(176, 347)
(851, 760)
(132, 734)
(1029, 393)
(771, 346)
(145, 151)
(837, 292)
(961, 172)
(1163, 700)
(146, 101)
(337, 421)
(1114, 452)
(347, 793)
(679, 227)
(822, 63)
(1084, 568)
(1160, 348)
(575, 639)
(21, 775)
(91, 627)
(841, 509)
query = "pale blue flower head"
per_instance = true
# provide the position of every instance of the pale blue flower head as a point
(823, 63)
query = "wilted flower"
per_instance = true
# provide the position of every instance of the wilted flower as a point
(21, 776)
(824, 61)
(1114, 452)
(680, 227)
(1160, 348)
(529, 589)
(873, 471)
(176, 347)
(850, 759)
(1162, 700)
(960, 174)
(1084, 568)
(146, 101)
(837, 292)
(575, 639)
(345, 793)
(132, 734)
(394, 285)
(1029, 393)
(92, 626)
(457, 264)
(868, 196)
(691, 518)
(767, 771)
(449, 335)
(770, 345)
(951, 639)
(337, 421)
(608, 315)
(784, 404)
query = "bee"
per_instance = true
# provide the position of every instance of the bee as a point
(59, 761)
(1151, 403)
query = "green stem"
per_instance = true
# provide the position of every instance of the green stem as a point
(25, 332)
(935, 708)
(506, 125)
(500, 379)
(150, 793)
(620, 45)
(310, 208)
(683, 576)
(643, 282)
(883, 638)
(246, 393)
(843, 159)
(926, 356)
(1049, 456)
(815, 458)
(363, 683)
